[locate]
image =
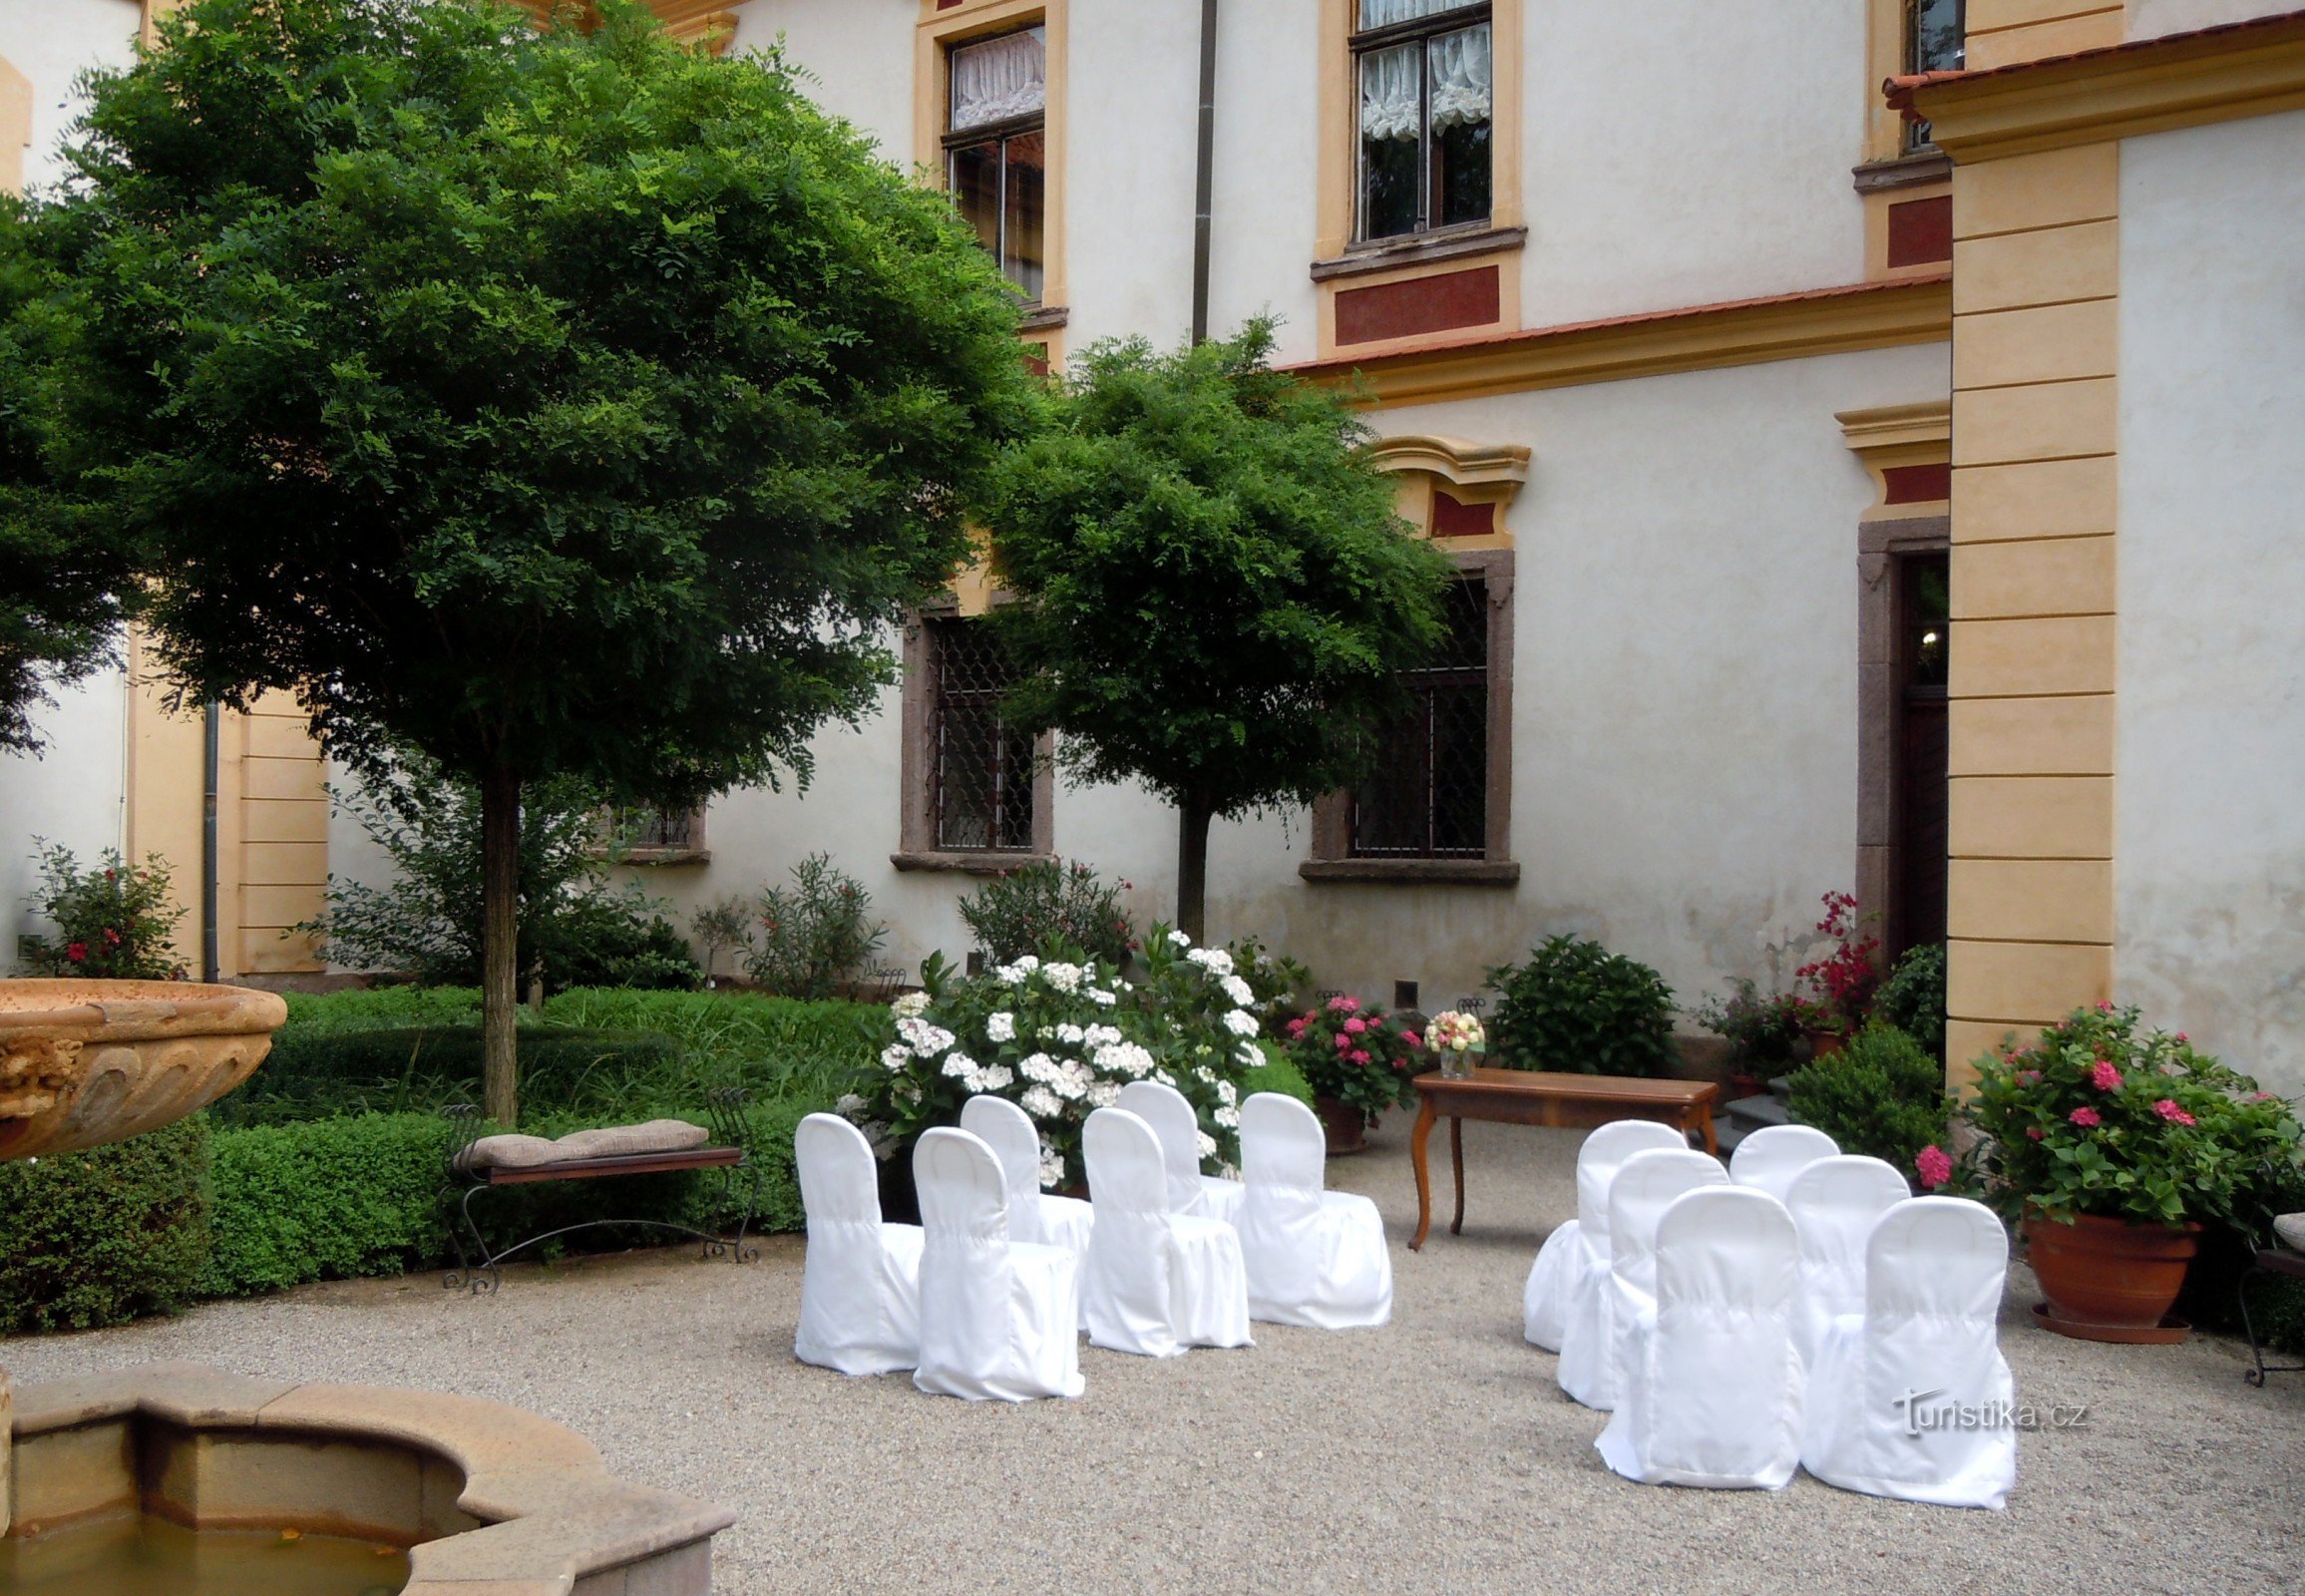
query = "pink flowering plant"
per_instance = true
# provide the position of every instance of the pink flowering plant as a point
(2102, 1117)
(1356, 1053)
(1839, 985)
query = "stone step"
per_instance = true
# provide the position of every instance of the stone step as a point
(1755, 1112)
(1781, 1088)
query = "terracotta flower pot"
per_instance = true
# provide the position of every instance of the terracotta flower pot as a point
(2108, 1279)
(1824, 1043)
(1345, 1127)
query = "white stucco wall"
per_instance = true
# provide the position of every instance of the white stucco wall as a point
(2210, 849)
(72, 793)
(859, 54)
(52, 41)
(2150, 19)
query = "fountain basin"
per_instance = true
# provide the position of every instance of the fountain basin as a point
(483, 1497)
(84, 1063)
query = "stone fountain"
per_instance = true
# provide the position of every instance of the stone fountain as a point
(468, 1496)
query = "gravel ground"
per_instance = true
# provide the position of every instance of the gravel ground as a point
(1435, 1454)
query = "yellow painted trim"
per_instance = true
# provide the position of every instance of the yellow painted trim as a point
(1506, 260)
(1919, 434)
(15, 125)
(1464, 463)
(2152, 86)
(708, 22)
(1885, 55)
(1876, 205)
(1704, 337)
(936, 33)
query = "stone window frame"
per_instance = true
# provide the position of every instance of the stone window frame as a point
(918, 850)
(1332, 841)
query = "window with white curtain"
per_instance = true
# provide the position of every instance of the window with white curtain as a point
(997, 148)
(1423, 80)
(1935, 40)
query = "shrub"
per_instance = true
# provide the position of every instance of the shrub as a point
(1761, 1029)
(1882, 1095)
(1053, 909)
(1362, 1058)
(106, 1234)
(814, 932)
(1277, 1073)
(320, 1075)
(1274, 979)
(1841, 979)
(1913, 996)
(327, 1200)
(113, 920)
(1575, 1006)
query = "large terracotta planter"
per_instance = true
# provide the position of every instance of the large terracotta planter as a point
(1346, 1127)
(1824, 1043)
(89, 1061)
(2108, 1279)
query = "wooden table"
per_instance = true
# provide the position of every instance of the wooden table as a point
(1529, 1097)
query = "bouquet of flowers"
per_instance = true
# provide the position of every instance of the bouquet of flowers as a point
(1362, 1058)
(1457, 1037)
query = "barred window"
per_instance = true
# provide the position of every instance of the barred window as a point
(980, 786)
(1429, 797)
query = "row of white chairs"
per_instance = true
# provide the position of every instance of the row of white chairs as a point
(1799, 1308)
(984, 1297)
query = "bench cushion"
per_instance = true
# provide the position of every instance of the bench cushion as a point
(508, 1152)
(512, 1151)
(2289, 1231)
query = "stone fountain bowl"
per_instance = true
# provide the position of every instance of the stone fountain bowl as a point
(84, 1063)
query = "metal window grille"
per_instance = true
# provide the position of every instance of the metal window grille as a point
(667, 831)
(980, 778)
(1428, 795)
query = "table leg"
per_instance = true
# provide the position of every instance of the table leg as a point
(1456, 1160)
(1417, 1140)
(1711, 1142)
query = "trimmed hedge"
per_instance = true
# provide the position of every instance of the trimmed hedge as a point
(1882, 1095)
(110, 1234)
(329, 1200)
(314, 1074)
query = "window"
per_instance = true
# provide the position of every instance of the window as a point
(651, 835)
(1429, 799)
(1935, 40)
(980, 773)
(1423, 78)
(996, 149)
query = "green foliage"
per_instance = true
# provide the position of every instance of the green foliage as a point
(1913, 996)
(2099, 1118)
(813, 934)
(111, 1234)
(1277, 1073)
(1274, 980)
(330, 1200)
(575, 928)
(1213, 595)
(1051, 908)
(66, 577)
(1575, 1006)
(1762, 1027)
(324, 1074)
(1362, 1057)
(113, 920)
(1882, 1095)
(362, 1009)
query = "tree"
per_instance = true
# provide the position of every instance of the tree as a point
(561, 403)
(65, 579)
(1213, 594)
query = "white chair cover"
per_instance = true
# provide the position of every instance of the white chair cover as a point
(999, 1319)
(859, 1283)
(1033, 1215)
(1156, 1282)
(1771, 1157)
(1835, 1203)
(1313, 1258)
(1638, 1198)
(1712, 1393)
(1887, 1405)
(1575, 1257)
(1171, 1116)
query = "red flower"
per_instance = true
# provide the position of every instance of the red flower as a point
(1413, 1039)
(1344, 1042)
(2029, 1077)
(2085, 1117)
(1359, 1056)
(1357, 1026)
(2169, 1110)
(1934, 1165)
(2103, 1076)
(1297, 1026)
(2032, 1132)
(77, 953)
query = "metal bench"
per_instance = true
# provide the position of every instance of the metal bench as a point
(2274, 1260)
(725, 1150)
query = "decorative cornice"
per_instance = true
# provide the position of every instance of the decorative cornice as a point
(1738, 333)
(711, 22)
(1465, 464)
(2221, 73)
(1898, 427)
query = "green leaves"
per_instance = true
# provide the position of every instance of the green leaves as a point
(1575, 1006)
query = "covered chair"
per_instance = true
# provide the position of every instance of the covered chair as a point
(1918, 1404)
(1179, 1128)
(1033, 1215)
(1313, 1258)
(1157, 1282)
(999, 1317)
(1638, 1198)
(1771, 1157)
(1835, 1203)
(1710, 1390)
(859, 1285)
(1573, 1263)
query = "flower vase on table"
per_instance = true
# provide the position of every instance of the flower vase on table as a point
(1457, 1041)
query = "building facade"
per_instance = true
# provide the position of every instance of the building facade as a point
(1783, 432)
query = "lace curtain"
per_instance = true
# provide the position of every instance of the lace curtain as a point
(1000, 77)
(1391, 79)
(1378, 13)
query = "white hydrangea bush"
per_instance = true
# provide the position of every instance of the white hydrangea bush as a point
(1060, 1040)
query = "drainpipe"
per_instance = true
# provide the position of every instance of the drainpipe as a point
(1205, 175)
(212, 966)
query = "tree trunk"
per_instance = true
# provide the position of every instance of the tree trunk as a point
(500, 844)
(1193, 868)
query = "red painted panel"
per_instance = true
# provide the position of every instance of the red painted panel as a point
(1421, 305)
(1921, 230)
(1912, 485)
(1453, 518)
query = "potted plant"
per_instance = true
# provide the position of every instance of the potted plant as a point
(1761, 1028)
(2111, 1148)
(1840, 981)
(1359, 1062)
